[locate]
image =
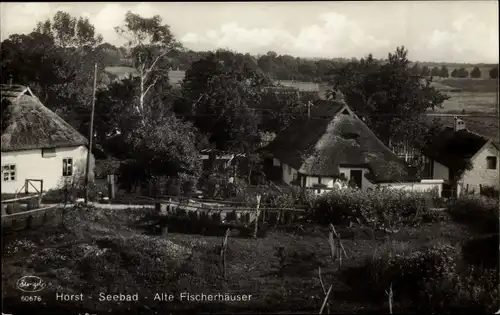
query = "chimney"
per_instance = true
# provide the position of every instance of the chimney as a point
(459, 124)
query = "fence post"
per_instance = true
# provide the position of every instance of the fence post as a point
(111, 186)
(26, 187)
(257, 213)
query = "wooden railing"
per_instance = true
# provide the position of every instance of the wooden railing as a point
(18, 212)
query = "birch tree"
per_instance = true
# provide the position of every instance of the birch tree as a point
(68, 31)
(149, 42)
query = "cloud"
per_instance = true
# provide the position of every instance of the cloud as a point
(113, 14)
(468, 39)
(458, 37)
(333, 35)
(22, 17)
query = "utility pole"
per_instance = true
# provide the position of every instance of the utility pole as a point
(91, 136)
(498, 158)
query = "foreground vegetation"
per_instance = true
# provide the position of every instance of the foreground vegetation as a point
(427, 265)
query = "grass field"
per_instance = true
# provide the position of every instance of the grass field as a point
(472, 85)
(470, 102)
(104, 251)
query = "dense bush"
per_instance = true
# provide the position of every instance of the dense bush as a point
(477, 212)
(381, 208)
(491, 192)
(431, 278)
(289, 197)
(481, 251)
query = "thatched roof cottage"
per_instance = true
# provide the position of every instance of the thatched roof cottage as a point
(37, 144)
(449, 148)
(332, 142)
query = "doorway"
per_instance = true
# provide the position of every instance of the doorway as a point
(357, 176)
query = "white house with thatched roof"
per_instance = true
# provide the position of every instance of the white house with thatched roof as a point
(37, 144)
(330, 143)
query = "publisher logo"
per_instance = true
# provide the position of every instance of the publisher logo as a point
(30, 284)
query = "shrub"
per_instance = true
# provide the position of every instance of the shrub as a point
(426, 275)
(477, 212)
(491, 192)
(481, 251)
(477, 290)
(430, 278)
(383, 208)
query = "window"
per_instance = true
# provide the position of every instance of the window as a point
(48, 152)
(9, 172)
(294, 176)
(491, 162)
(67, 167)
(289, 170)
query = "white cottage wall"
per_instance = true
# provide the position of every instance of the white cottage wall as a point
(30, 164)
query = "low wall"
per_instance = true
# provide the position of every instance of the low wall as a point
(425, 185)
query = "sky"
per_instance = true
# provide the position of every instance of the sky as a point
(435, 31)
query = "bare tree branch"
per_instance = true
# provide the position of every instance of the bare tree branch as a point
(154, 63)
(151, 85)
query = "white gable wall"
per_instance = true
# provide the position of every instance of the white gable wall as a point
(31, 165)
(288, 173)
(480, 174)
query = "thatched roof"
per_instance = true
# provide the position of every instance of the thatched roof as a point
(29, 124)
(485, 126)
(330, 139)
(448, 145)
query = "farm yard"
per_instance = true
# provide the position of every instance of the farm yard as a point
(122, 252)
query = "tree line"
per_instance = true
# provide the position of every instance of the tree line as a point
(443, 72)
(227, 101)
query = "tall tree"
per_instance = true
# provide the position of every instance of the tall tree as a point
(454, 73)
(462, 73)
(219, 94)
(435, 72)
(35, 60)
(416, 69)
(388, 95)
(475, 73)
(494, 73)
(149, 42)
(425, 71)
(68, 31)
(443, 73)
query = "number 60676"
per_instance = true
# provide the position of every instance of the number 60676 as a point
(31, 298)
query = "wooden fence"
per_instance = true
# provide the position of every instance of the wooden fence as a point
(238, 212)
(26, 212)
(29, 219)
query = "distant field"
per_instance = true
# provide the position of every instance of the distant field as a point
(300, 85)
(472, 85)
(175, 76)
(470, 102)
